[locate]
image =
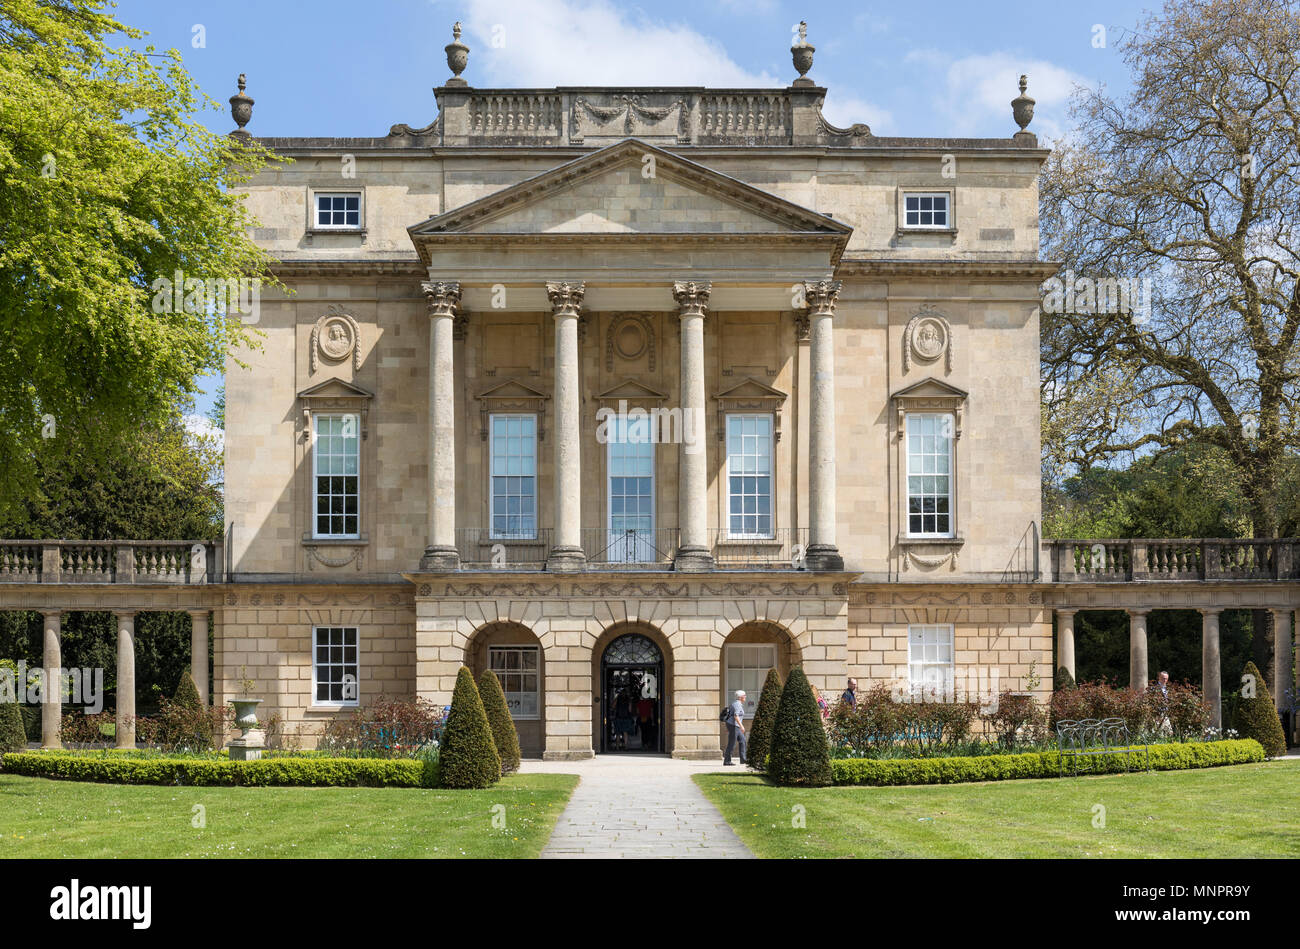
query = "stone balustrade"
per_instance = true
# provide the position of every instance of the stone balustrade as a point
(1102, 560)
(178, 562)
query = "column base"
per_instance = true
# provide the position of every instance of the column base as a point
(566, 560)
(823, 557)
(693, 560)
(440, 558)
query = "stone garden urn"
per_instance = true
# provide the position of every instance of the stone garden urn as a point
(252, 740)
(457, 57)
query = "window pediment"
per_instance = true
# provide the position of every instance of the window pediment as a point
(750, 395)
(930, 395)
(632, 392)
(335, 395)
(512, 395)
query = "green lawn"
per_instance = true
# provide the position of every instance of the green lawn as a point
(45, 818)
(1241, 811)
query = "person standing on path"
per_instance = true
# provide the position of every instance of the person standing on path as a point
(736, 728)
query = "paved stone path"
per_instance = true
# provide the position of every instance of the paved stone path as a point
(634, 806)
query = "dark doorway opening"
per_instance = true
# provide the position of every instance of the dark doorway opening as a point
(632, 696)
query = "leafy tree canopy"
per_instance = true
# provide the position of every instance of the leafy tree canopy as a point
(107, 184)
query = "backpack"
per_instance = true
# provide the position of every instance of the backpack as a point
(728, 714)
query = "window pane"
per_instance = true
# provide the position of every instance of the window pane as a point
(337, 461)
(929, 486)
(513, 476)
(749, 462)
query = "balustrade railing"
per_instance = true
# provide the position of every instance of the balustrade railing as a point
(117, 561)
(480, 548)
(784, 549)
(1099, 560)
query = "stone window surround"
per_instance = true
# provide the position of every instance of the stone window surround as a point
(311, 404)
(954, 402)
(901, 192)
(319, 706)
(724, 483)
(648, 400)
(906, 528)
(311, 228)
(537, 669)
(494, 412)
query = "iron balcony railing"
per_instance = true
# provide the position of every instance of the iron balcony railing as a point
(482, 549)
(629, 549)
(784, 549)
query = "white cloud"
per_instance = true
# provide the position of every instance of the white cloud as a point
(201, 426)
(975, 96)
(541, 43)
(844, 111)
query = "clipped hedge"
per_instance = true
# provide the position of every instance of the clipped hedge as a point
(1170, 757)
(266, 772)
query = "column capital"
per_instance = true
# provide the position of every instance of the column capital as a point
(1065, 611)
(441, 297)
(125, 614)
(1137, 611)
(1210, 610)
(821, 296)
(692, 297)
(566, 298)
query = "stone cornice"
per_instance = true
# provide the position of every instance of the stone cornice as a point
(993, 270)
(355, 267)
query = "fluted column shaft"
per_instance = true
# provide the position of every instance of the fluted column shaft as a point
(440, 553)
(566, 551)
(693, 475)
(1065, 641)
(52, 691)
(1211, 670)
(199, 652)
(1137, 650)
(822, 554)
(125, 718)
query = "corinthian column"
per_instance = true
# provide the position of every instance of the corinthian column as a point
(822, 553)
(693, 475)
(440, 554)
(566, 552)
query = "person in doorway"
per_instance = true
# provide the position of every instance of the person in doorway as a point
(645, 712)
(622, 718)
(736, 728)
(850, 696)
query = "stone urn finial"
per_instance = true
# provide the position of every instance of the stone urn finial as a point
(1022, 106)
(241, 110)
(802, 54)
(457, 57)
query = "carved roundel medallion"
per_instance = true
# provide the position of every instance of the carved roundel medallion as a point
(629, 339)
(335, 338)
(928, 337)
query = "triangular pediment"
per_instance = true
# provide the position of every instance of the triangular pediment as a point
(930, 388)
(631, 187)
(512, 389)
(632, 391)
(750, 388)
(335, 389)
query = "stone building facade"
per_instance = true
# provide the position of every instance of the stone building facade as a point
(636, 391)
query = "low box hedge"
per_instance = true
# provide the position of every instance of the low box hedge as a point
(266, 772)
(1169, 757)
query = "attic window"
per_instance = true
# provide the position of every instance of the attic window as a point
(339, 210)
(926, 210)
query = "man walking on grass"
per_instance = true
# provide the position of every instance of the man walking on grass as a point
(736, 728)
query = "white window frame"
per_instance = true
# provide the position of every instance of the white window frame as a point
(504, 649)
(314, 210)
(947, 213)
(938, 638)
(645, 552)
(949, 422)
(751, 697)
(492, 422)
(316, 665)
(316, 457)
(771, 475)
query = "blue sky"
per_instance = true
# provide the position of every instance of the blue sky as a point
(342, 68)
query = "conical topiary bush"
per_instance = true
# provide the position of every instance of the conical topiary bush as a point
(1257, 716)
(498, 714)
(760, 730)
(799, 754)
(12, 735)
(467, 757)
(187, 693)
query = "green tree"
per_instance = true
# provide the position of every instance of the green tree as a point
(1257, 715)
(12, 735)
(504, 734)
(760, 729)
(467, 757)
(800, 754)
(108, 183)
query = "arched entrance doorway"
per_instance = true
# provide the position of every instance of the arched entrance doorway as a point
(632, 694)
(512, 651)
